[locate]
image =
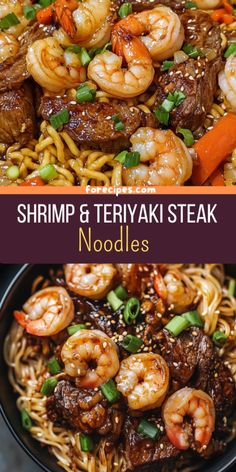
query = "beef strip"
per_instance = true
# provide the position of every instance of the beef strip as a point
(13, 71)
(146, 455)
(196, 78)
(91, 123)
(17, 116)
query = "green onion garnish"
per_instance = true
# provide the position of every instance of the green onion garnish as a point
(121, 157)
(94, 51)
(191, 5)
(231, 289)
(131, 311)
(192, 51)
(59, 119)
(119, 126)
(187, 135)
(76, 48)
(74, 328)
(116, 118)
(49, 386)
(125, 10)
(48, 172)
(162, 115)
(29, 12)
(193, 318)
(166, 65)
(8, 21)
(86, 443)
(26, 420)
(85, 94)
(84, 57)
(132, 343)
(177, 98)
(13, 172)
(148, 429)
(132, 159)
(54, 366)
(114, 301)
(45, 3)
(230, 51)
(121, 292)
(167, 105)
(219, 338)
(177, 325)
(110, 391)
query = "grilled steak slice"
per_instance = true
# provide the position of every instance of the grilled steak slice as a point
(17, 116)
(92, 123)
(146, 455)
(13, 71)
(196, 78)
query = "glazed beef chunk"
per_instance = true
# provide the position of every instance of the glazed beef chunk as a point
(91, 123)
(17, 116)
(196, 78)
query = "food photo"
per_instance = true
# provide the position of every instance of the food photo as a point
(120, 367)
(102, 92)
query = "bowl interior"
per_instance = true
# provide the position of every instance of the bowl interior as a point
(15, 288)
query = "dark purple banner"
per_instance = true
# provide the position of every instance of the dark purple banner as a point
(129, 228)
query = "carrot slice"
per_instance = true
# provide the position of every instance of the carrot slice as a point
(45, 15)
(217, 15)
(214, 147)
(35, 181)
(227, 6)
(217, 178)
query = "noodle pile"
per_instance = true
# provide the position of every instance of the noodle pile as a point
(27, 368)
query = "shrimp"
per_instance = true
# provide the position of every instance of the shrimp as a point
(81, 22)
(90, 280)
(47, 312)
(227, 81)
(52, 67)
(177, 289)
(159, 29)
(208, 4)
(195, 404)
(90, 356)
(16, 7)
(106, 70)
(9, 46)
(165, 160)
(144, 380)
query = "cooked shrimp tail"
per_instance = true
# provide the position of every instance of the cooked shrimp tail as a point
(90, 280)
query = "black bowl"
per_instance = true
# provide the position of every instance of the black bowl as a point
(14, 290)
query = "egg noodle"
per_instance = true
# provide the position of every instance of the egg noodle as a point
(27, 368)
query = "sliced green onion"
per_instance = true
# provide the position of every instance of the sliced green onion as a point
(148, 429)
(230, 51)
(163, 116)
(219, 338)
(86, 443)
(131, 311)
(114, 301)
(116, 118)
(177, 325)
(45, 3)
(166, 65)
(26, 420)
(76, 48)
(48, 172)
(121, 292)
(29, 12)
(84, 57)
(110, 391)
(13, 172)
(119, 126)
(59, 119)
(231, 289)
(85, 94)
(74, 328)
(187, 135)
(177, 97)
(94, 51)
(121, 157)
(168, 105)
(192, 51)
(49, 386)
(132, 159)
(193, 318)
(125, 10)
(191, 5)
(132, 343)
(54, 366)
(8, 21)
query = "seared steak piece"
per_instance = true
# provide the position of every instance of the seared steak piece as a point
(92, 123)
(13, 71)
(196, 78)
(17, 116)
(144, 454)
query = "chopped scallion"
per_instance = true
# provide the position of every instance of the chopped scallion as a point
(177, 97)
(121, 157)
(167, 105)
(121, 292)
(84, 57)
(192, 51)
(148, 429)
(26, 420)
(29, 12)
(219, 338)
(48, 172)
(45, 3)
(191, 5)
(132, 159)
(132, 343)
(59, 119)
(86, 443)
(125, 10)
(131, 311)
(177, 325)
(162, 115)
(94, 51)
(166, 65)
(54, 366)
(49, 386)
(85, 93)
(74, 328)
(230, 51)
(110, 391)
(114, 301)
(193, 318)
(187, 135)
(231, 289)
(13, 172)
(9, 20)
(76, 48)
(119, 126)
